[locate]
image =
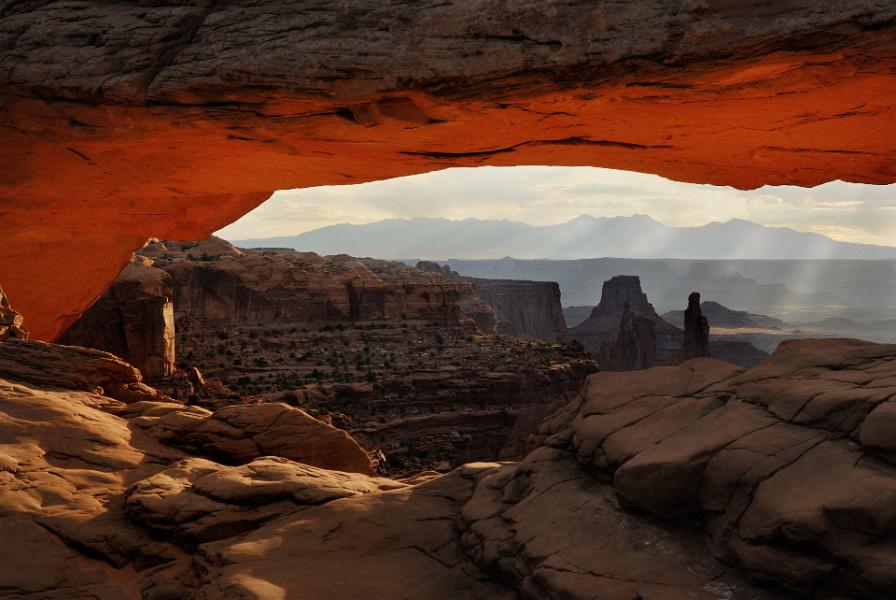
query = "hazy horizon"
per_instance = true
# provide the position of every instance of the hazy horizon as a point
(536, 226)
(541, 196)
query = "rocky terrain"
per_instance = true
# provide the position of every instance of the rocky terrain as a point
(698, 481)
(393, 354)
(122, 121)
(696, 330)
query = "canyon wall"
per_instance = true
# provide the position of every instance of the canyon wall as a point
(701, 481)
(399, 357)
(526, 309)
(217, 284)
(172, 120)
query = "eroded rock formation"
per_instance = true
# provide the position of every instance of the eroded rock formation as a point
(215, 283)
(133, 319)
(384, 350)
(634, 347)
(172, 120)
(236, 435)
(525, 309)
(778, 460)
(786, 469)
(602, 326)
(696, 330)
(10, 320)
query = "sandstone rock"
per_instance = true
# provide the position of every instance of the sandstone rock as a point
(504, 84)
(442, 393)
(65, 463)
(133, 319)
(196, 501)
(71, 367)
(603, 324)
(772, 462)
(429, 266)
(238, 434)
(215, 283)
(401, 543)
(526, 309)
(587, 547)
(481, 313)
(780, 461)
(634, 347)
(696, 330)
(10, 320)
(484, 409)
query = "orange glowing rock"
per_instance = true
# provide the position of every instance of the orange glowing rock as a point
(172, 122)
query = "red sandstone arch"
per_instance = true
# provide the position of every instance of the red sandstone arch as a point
(119, 122)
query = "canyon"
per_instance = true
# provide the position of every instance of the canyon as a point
(649, 483)
(125, 121)
(404, 359)
(526, 309)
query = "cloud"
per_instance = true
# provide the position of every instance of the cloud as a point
(550, 195)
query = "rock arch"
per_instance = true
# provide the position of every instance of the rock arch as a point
(120, 121)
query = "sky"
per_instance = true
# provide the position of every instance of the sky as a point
(846, 212)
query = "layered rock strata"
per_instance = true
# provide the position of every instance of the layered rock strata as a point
(778, 462)
(386, 351)
(172, 120)
(525, 309)
(439, 417)
(215, 283)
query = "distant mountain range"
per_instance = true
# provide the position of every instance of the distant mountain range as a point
(638, 236)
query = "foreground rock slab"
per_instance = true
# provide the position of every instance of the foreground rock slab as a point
(784, 463)
(701, 481)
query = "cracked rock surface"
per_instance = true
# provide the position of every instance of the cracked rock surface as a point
(240, 433)
(702, 481)
(784, 464)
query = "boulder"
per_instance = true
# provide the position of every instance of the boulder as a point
(196, 501)
(241, 433)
